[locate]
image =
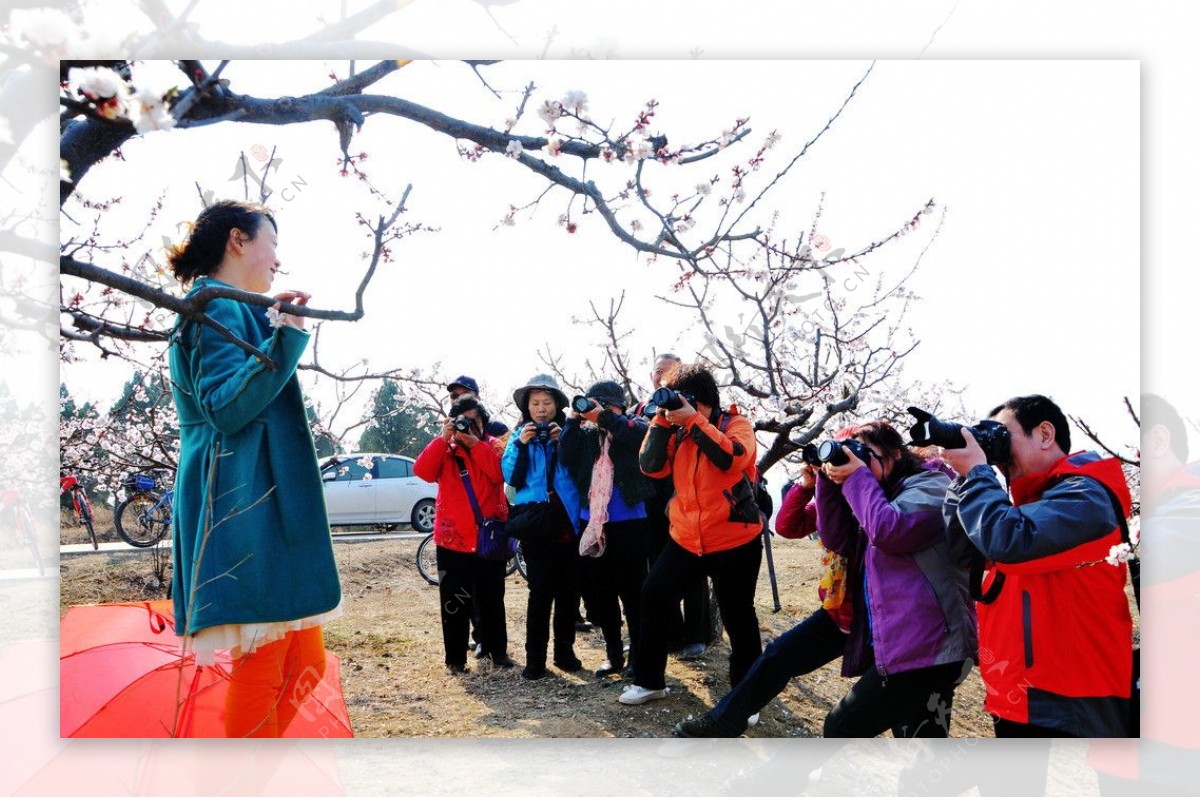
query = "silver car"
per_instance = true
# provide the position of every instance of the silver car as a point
(378, 489)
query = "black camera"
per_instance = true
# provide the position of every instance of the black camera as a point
(649, 409)
(668, 399)
(462, 424)
(542, 431)
(992, 436)
(581, 404)
(834, 452)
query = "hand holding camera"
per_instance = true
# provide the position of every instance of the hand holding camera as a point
(587, 408)
(543, 431)
(675, 406)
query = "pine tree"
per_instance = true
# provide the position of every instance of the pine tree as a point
(397, 427)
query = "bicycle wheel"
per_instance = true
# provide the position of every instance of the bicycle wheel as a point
(26, 521)
(85, 514)
(427, 560)
(518, 565)
(141, 520)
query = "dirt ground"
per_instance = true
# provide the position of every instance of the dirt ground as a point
(389, 641)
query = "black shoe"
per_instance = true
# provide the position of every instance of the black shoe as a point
(502, 661)
(533, 672)
(628, 672)
(570, 665)
(584, 626)
(454, 669)
(609, 668)
(704, 726)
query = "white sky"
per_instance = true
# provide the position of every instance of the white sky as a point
(1032, 285)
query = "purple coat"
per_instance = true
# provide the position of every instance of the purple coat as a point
(921, 613)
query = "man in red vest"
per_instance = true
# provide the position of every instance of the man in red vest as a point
(1055, 636)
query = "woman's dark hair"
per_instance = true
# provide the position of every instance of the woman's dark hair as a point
(466, 403)
(204, 248)
(884, 437)
(698, 381)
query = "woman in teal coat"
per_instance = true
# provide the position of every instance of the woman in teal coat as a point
(253, 561)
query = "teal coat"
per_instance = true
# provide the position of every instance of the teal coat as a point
(252, 540)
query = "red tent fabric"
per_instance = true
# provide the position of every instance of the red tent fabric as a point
(123, 674)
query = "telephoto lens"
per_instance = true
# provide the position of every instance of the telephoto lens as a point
(668, 399)
(462, 423)
(581, 404)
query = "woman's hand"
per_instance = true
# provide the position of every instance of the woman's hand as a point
(808, 476)
(296, 298)
(840, 473)
(448, 430)
(527, 432)
(466, 439)
(555, 430)
(678, 417)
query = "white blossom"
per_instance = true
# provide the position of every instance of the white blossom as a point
(739, 195)
(513, 149)
(1122, 552)
(366, 477)
(685, 224)
(97, 83)
(772, 139)
(1135, 531)
(635, 225)
(704, 189)
(509, 221)
(343, 471)
(366, 461)
(274, 317)
(150, 112)
(563, 219)
(575, 102)
(549, 112)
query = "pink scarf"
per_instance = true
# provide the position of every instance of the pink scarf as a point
(591, 542)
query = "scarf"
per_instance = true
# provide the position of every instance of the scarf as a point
(591, 542)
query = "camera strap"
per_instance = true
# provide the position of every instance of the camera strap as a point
(466, 478)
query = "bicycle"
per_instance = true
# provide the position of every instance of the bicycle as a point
(144, 517)
(427, 561)
(24, 523)
(83, 506)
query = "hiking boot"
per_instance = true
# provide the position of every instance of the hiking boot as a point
(704, 726)
(454, 669)
(635, 694)
(568, 664)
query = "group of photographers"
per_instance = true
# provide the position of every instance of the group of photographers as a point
(931, 565)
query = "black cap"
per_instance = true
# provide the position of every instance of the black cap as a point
(464, 382)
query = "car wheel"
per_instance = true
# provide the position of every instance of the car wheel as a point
(422, 516)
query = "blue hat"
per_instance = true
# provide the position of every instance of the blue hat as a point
(464, 382)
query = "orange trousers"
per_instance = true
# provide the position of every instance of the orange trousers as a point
(267, 686)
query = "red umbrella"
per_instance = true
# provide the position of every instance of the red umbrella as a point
(122, 673)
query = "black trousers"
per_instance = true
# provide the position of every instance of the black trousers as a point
(735, 575)
(553, 570)
(810, 644)
(614, 581)
(467, 582)
(914, 703)
(694, 623)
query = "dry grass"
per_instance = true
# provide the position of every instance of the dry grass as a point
(389, 640)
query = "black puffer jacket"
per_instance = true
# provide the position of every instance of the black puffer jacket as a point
(580, 446)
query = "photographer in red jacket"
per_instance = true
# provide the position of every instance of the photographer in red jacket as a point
(1055, 632)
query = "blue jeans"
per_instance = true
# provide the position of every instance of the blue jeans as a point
(814, 642)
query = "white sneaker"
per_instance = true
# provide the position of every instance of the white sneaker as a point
(640, 695)
(752, 720)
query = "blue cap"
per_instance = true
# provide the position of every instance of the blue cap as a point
(464, 382)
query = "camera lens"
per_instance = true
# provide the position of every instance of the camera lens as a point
(581, 404)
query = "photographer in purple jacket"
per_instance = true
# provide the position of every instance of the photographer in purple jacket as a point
(913, 637)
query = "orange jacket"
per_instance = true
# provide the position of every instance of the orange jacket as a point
(713, 508)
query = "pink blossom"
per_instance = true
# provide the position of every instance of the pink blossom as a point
(553, 146)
